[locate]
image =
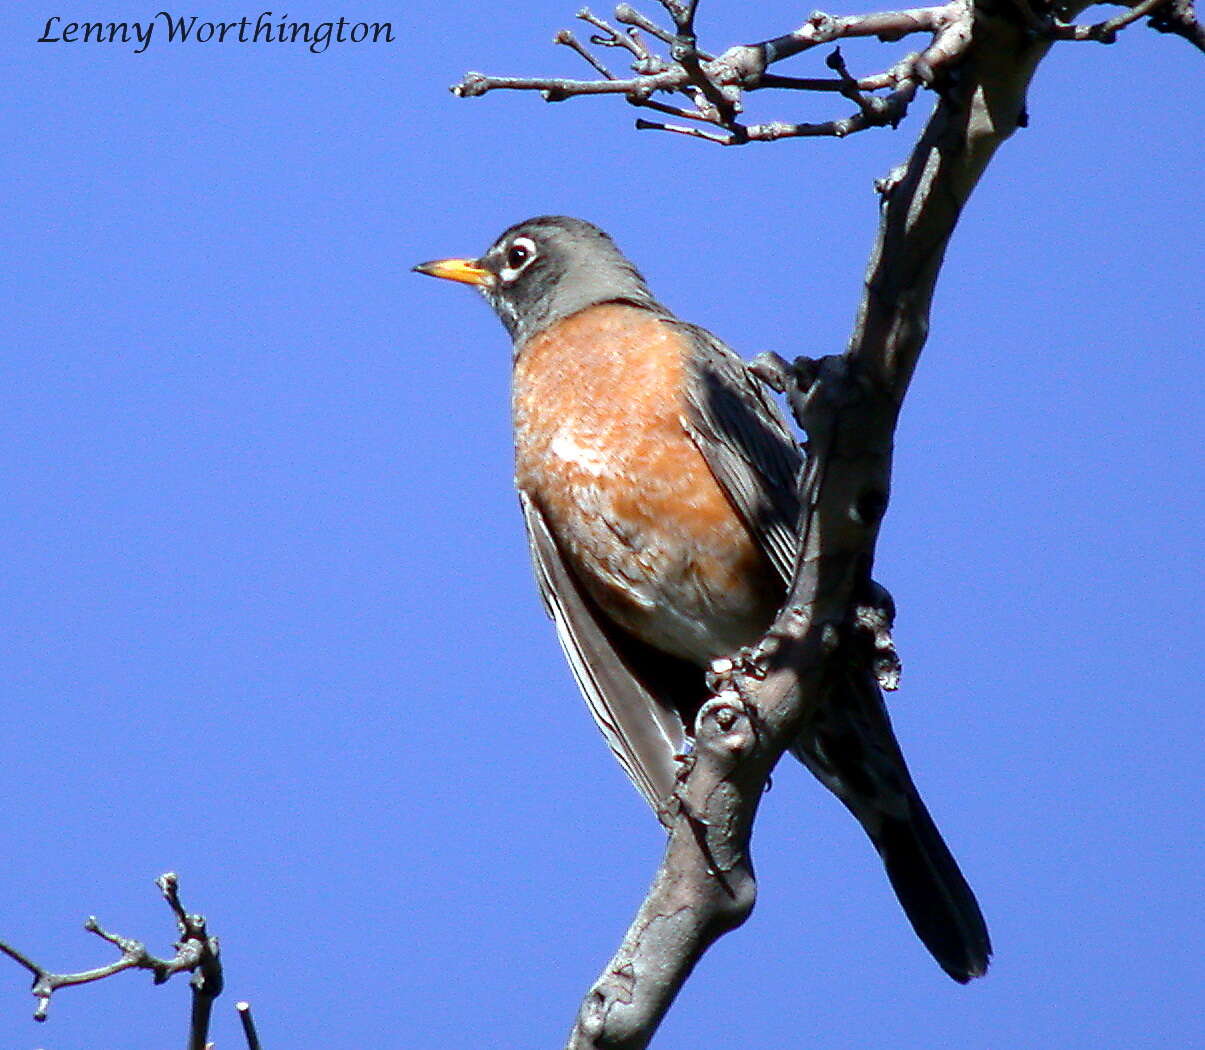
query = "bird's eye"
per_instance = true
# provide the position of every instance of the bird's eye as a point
(518, 256)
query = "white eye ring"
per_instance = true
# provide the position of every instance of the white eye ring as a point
(519, 256)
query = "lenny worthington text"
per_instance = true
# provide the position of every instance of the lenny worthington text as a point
(185, 29)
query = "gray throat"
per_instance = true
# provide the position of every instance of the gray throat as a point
(572, 295)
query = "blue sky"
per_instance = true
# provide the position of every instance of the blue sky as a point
(269, 620)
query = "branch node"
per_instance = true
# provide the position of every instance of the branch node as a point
(873, 620)
(472, 85)
(723, 724)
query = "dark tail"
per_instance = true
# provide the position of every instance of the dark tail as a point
(851, 749)
(936, 898)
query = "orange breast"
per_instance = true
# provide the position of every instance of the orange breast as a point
(601, 447)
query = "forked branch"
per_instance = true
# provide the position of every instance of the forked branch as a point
(710, 88)
(196, 953)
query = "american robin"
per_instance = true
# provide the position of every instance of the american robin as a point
(658, 486)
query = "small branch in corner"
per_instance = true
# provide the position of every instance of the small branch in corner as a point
(196, 953)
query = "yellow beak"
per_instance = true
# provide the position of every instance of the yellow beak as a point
(466, 271)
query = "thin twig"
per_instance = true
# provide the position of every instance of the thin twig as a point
(565, 37)
(196, 952)
(823, 28)
(629, 16)
(773, 80)
(248, 1023)
(674, 111)
(609, 36)
(886, 112)
(734, 138)
(1105, 32)
(555, 89)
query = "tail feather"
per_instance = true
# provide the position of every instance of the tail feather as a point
(851, 749)
(935, 896)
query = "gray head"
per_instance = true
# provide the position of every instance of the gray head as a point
(547, 268)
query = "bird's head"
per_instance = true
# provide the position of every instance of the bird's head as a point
(542, 270)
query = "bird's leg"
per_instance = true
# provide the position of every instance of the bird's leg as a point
(727, 676)
(811, 385)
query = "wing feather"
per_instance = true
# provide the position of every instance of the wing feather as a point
(643, 731)
(742, 435)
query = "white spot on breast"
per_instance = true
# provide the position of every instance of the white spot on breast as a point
(588, 458)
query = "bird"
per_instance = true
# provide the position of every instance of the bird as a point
(659, 488)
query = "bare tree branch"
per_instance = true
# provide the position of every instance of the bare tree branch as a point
(1180, 17)
(196, 952)
(1045, 24)
(714, 86)
(249, 1032)
(1106, 32)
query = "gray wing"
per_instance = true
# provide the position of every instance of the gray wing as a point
(644, 732)
(742, 435)
(849, 744)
